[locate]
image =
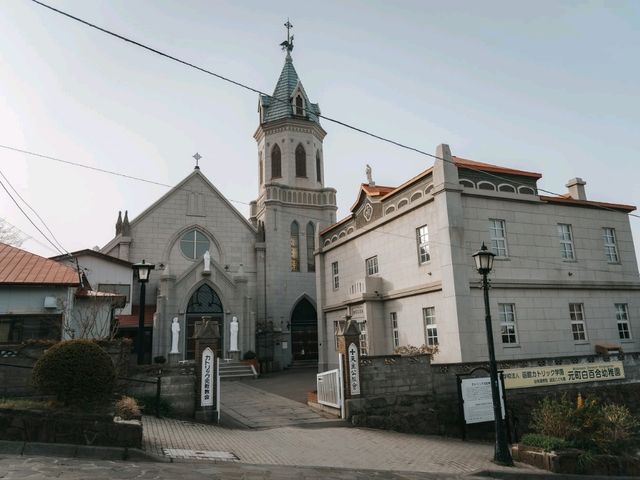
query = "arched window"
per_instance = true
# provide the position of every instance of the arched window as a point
(276, 162)
(311, 235)
(299, 105)
(295, 247)
(318, 168)
(526, 190)
(301, 161)
(505, 187)
(486, 186)
(467, 183)
(193, 244)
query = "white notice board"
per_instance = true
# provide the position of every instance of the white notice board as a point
(477, 400)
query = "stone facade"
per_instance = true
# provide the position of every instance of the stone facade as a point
(459, 203)
(251, 273)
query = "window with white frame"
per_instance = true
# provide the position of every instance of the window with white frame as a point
(430, 326)
(335, 275)
(508, 330)
(372, 265)
(422, 238)
(610, 246)
(364, 338)
(395, 335)
(578, 329)
(498, 237)
(566, 241)
(622, 318)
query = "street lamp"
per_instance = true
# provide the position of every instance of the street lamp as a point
(484, 264)
(143, 270)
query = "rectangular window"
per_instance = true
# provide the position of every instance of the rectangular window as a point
(622, 317)
(578, 329)
(372, 265)
(395, 336)
(422, 238)
(115, 288)
(20, 328)
(498, 237)
(566, 241)
(610, 247)
(430, 327)
(336, 276)
(508, 322)
(364, 338)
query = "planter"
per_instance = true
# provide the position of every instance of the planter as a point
(254, 362)
(568, 461)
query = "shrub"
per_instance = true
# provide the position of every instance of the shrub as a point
(617, 431)
(553, 417)
(412, 351)
(159, 359)
(147, 404)
(544, 441)
(76, 372)
(127, 408)
(249, 355)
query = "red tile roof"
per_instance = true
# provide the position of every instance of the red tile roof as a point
(564, 199)
(20, 267)
(131, 321)
(487, 167)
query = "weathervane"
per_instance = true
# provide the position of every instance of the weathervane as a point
(197, 156)
(288, 43)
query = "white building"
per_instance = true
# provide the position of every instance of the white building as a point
(565, 276)
(261, 269)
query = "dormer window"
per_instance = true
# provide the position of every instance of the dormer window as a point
(299, 105)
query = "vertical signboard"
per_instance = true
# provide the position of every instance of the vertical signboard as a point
(354, 369)
(207, 378)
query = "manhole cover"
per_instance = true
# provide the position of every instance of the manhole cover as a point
(200, 455)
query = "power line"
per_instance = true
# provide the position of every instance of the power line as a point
(31, 208)
(286, 101)
(29, 218)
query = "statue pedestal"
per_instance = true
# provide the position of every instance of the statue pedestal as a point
(174, 358)
(235, 355)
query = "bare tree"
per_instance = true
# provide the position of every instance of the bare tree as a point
(10, 234)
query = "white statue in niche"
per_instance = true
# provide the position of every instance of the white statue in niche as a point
(207, 261)
(175, 335)
(233, 335)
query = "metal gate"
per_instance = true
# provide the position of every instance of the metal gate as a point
(329, 387)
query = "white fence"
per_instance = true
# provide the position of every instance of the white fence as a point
(329, 388)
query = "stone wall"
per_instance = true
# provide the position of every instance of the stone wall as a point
(409, 394)
(64, 427)
(16, 381)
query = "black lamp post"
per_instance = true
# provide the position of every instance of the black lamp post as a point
(484, 264)
(143, 270)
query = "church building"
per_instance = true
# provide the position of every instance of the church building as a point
(259, 270)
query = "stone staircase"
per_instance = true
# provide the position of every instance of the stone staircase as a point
(296, 364)
(235, 370)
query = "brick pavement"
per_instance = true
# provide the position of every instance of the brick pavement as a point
(257, 408)
(355, 448)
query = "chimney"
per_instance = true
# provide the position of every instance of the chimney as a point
(576, 188)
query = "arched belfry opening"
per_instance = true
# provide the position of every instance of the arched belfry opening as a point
(203, 303)
(304, 331)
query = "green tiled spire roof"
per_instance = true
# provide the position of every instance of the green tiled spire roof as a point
(280, 104)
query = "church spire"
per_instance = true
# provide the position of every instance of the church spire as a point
(289, 99)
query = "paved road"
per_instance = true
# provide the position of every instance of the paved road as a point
(294, 383)
(45, 468)
(256, 408)
(345, 448)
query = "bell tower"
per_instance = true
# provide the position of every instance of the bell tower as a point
(293, 205)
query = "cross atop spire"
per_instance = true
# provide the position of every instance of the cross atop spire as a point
(288, 43)
(197, 156)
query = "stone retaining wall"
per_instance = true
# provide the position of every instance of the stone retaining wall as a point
(409, 394)
(58, 427)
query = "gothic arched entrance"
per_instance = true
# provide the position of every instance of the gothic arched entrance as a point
(203, 303)
(304, 331)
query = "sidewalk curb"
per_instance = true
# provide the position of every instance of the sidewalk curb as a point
(542, 474)
(78, 451)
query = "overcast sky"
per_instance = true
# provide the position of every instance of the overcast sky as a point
(546, 86)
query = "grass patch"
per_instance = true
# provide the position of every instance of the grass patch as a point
(24, 404)
(547, 442)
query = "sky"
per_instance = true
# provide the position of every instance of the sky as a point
(544, 86)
